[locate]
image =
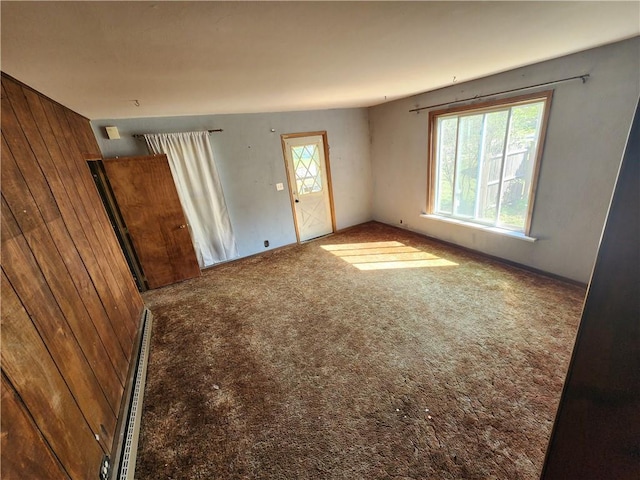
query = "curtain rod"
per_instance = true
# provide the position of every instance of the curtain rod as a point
(140, 136)
(554, 82)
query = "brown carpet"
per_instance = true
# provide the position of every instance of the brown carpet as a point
(340, 363)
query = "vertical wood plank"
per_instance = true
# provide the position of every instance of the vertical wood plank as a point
(45, 249)
(70, 307)
(95, 231)
(31, 286)
(90, 149)
(42, 246)
(85, 239)
(87, 142)
(31, 370)
(12, 132)
(123, 275)
(25, 452)
(75, 250)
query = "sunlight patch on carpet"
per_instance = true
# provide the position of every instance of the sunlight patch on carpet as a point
(385, 255)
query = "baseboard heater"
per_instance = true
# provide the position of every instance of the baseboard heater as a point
(124, 453)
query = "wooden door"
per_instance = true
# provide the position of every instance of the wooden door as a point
(148, 201)
(309, 185)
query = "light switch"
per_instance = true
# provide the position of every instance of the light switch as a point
(279, 186)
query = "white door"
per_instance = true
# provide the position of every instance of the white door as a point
(309, 184)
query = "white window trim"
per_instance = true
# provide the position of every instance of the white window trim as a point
(478, 226)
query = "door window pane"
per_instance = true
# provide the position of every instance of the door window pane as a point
(306, 165)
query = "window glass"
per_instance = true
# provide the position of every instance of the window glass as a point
(485, 162)
(306, 164)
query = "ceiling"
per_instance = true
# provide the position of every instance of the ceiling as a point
(189, 58)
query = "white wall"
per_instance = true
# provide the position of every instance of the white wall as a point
(250, 162)
(586, 136)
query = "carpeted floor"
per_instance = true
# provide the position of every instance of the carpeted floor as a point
(399, 358)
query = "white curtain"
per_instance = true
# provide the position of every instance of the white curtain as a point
(200, 191)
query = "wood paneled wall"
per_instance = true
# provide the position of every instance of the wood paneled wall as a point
(70, 308)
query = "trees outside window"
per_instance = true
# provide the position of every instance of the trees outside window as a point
(484, 161)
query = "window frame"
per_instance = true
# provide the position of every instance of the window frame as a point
(484, 107)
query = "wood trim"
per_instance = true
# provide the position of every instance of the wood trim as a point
(489, 104)
(538, 160)
(286, 136)
(327, 162)
(291, 199)
(431, 165)
(327, 165)
(487, 107)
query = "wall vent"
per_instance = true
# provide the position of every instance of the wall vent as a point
(128, 459)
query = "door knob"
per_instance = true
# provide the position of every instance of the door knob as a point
(182, 226)
(297, 201)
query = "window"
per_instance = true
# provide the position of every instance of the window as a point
(306, 165)
(484, 161)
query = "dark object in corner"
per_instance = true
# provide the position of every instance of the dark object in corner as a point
(597, 427)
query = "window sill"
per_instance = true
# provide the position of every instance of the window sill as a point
(496, 230)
